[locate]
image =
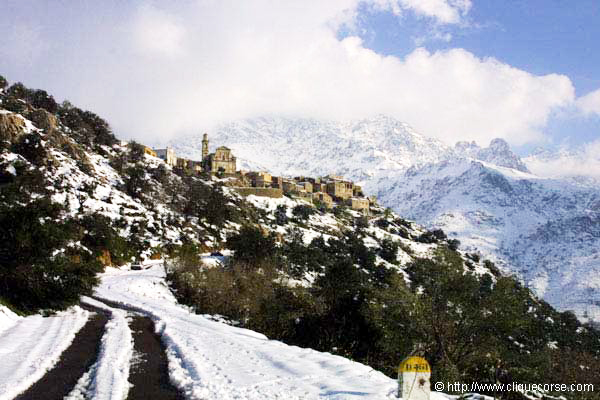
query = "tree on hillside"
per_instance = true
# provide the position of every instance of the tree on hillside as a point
(40, 264)
(251, 247)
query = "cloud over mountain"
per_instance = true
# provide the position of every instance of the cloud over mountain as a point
(162, 71)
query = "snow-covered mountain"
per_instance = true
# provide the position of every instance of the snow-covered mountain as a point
(359, 150)
(546, 230)
(75, 200)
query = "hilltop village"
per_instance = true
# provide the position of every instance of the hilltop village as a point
(328, 191)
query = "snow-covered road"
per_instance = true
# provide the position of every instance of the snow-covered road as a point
(107, 378)
(210, 360)
(31, 346)
(207, 360)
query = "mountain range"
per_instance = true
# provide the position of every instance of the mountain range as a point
(546, 230)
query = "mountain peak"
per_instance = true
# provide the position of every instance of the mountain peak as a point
(497, 153)
(499, 145)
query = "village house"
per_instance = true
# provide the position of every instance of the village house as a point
(183, 163)
(323, 198)
(167, 155)
(305, 186)
(149, 151)
(319, 186)
(359, 204)
(277, 182)
(289, 186)
(260, 179)
(340, 189)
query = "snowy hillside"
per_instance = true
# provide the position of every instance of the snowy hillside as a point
(544, 229)
(78, 207)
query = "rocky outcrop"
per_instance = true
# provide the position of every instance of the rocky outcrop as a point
(11, 126)
(43, 120)
(497, 153)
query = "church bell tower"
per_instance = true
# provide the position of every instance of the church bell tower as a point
(204, 146)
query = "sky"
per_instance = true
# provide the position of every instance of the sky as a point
(526, 71)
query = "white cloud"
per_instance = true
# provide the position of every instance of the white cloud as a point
(590, 103)
(582, 162)
(156, 32)
(446, 12)
(155, 73)
(441, 11)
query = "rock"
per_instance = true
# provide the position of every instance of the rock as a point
(43, 120)
(11, 126)
(105, 258)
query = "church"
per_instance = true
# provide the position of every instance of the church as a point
(220, 161)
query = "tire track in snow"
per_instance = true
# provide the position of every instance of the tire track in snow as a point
(107, 377)
(150, 375)
(72, 364)
(149, 372)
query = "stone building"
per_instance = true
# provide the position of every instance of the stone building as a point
(324, 198)
(183, 163)
(289, 186)
(359, 204)
(149, 151)
(167, 155)
(319, 186)
(260, 179)
(340, 189)
(220, 161)
(277, 182)
(306, 186)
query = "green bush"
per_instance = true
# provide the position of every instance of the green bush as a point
(361, 222)
(303, 211)
(38, 267)
(100, 235)
(31, 147)
(208, 202)
(473, 256)
(382, 223)
(37, 98)
(431, 236)
(87, 128)
(389, 250)
(136, 152)
(453, 244)
(136, 181)
(251, 247)
(281, 217)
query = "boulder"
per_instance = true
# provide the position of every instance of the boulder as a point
(11, 126)
(43, 119)
(105, 258)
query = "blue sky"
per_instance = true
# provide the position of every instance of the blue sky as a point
(526, 71)
(539, 36)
